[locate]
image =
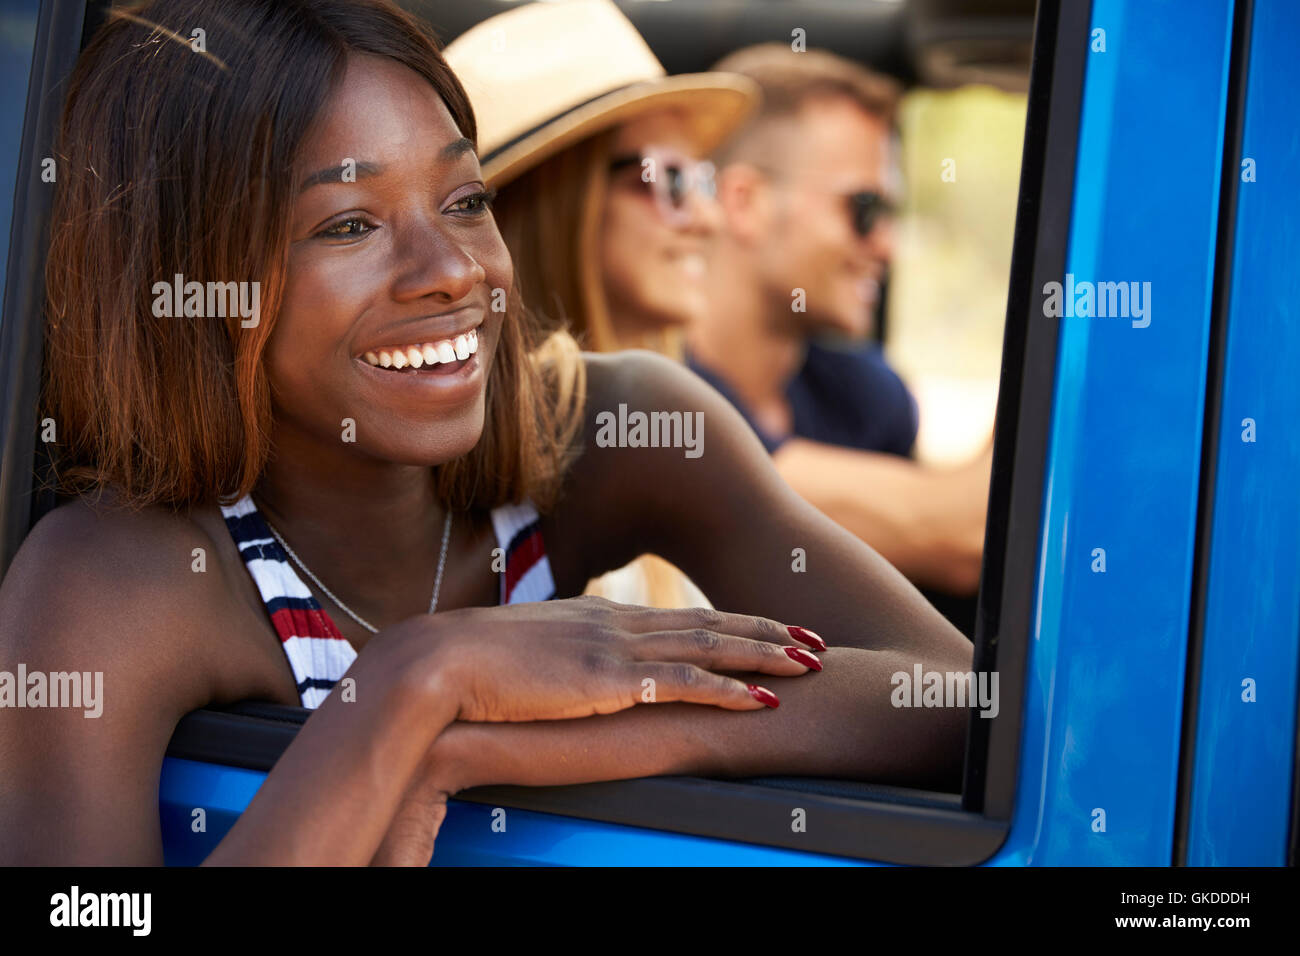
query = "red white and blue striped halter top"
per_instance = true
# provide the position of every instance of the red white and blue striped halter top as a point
(318, 654)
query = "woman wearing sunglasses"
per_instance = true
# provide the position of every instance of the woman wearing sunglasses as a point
(605, 197)
(274, 507)
(606, 200)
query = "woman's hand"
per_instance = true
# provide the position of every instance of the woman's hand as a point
(574, 658)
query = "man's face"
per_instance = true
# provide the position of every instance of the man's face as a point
(811, 242)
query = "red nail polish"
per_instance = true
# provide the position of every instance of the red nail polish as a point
(800, 656)
(805, 636)
(763, 695)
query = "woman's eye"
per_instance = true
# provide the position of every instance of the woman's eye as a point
(347, 229)
(476, 203)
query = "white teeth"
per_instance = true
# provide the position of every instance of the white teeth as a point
(430, 353)
(693, 266)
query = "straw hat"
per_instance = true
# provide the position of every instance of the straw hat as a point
(543, 76)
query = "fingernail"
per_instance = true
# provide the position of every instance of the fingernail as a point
(763, 695)
(805, 636)
(800, 656)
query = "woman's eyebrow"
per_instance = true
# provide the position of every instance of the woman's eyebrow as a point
(334, 174)
(456, 149)
(358, 170)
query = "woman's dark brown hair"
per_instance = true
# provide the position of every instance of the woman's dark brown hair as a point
(176, 156)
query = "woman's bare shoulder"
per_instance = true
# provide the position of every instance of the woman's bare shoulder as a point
(655, 411)
(103, 548)
(660, 448)
(631, 375)
(146, 590)
(120, 622)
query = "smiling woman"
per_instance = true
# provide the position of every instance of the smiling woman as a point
(293, 446)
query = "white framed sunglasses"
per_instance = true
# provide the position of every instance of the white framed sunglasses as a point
(671, 177)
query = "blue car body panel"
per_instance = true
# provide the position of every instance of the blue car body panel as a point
(1246, 716)
(1103, 710)
(473, 834)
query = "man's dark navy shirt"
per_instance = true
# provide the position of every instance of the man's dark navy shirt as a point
(841, 396)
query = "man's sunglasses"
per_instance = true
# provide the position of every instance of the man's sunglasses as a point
(867, 209)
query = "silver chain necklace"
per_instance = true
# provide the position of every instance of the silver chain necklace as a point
(437, 583)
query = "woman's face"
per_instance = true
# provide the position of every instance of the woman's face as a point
(654, 257)
(394, 257)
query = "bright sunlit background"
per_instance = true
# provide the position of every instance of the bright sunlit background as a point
(948, 290)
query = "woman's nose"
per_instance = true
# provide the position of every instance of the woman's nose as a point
(704, 214)
(435, 263)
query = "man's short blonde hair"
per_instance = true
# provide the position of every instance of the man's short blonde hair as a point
(790, 79)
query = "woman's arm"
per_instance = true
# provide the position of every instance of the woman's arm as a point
(727, 519)
(838, 723)
(333, 795)
(115, 600)
(720, 511)
(754, 546)
(117, 597)
(548, 662)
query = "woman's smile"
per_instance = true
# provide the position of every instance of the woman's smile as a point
(453, 383)
(447, 353)
(441, 354)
